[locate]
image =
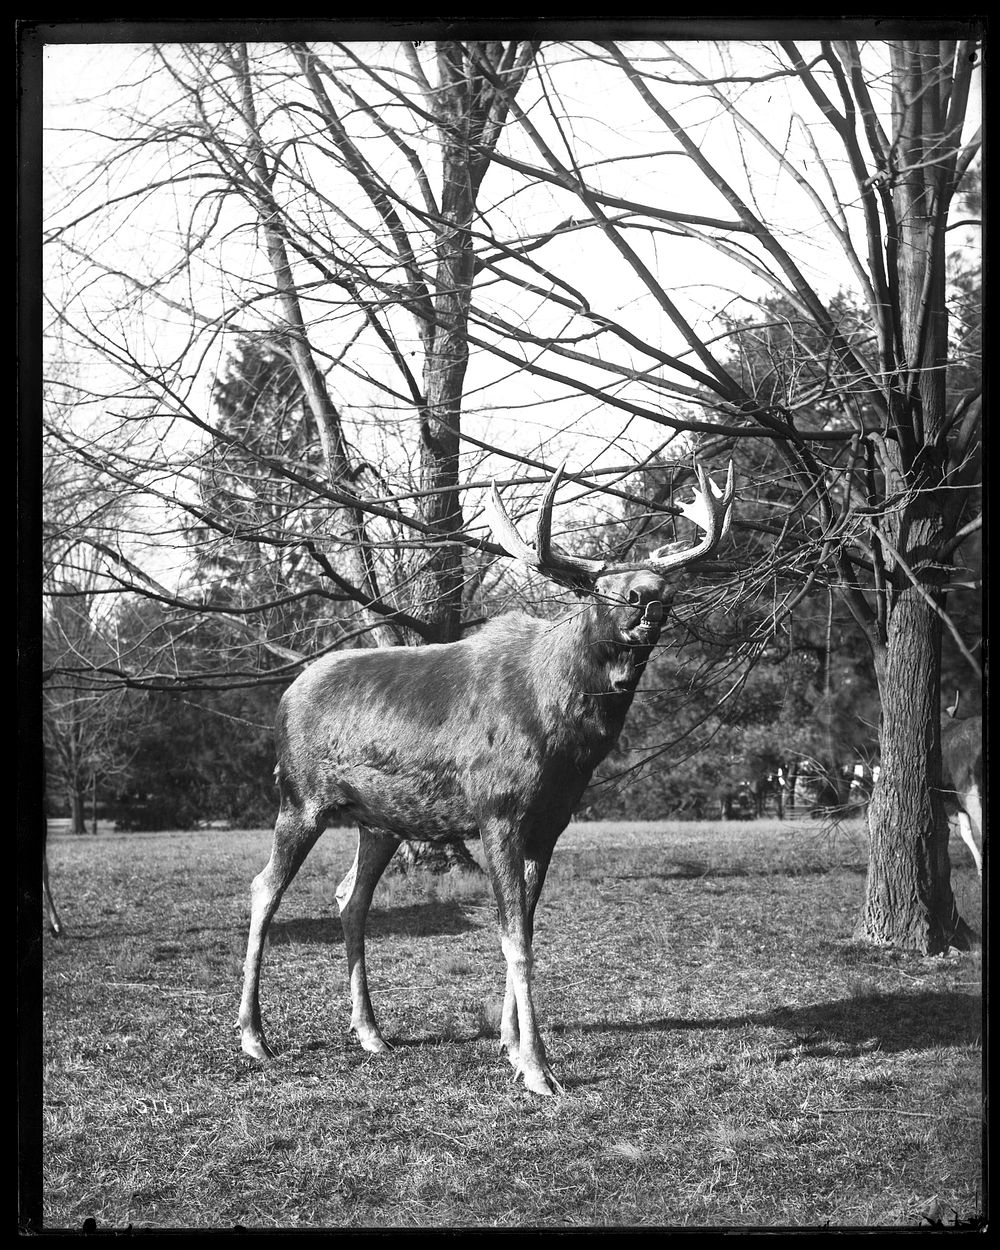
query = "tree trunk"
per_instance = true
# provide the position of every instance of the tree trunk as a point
(77, 819)
(909, 902)
(439, 589)
(436, 857)
(908, 897)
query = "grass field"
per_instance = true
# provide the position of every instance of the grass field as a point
(731, 1057)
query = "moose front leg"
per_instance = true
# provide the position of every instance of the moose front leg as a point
(517, 883)
(535, 866)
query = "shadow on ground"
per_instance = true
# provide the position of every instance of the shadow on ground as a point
(416, 920)
(890, 1022)
(689, 870)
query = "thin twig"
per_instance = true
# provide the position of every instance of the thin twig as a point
(150, 985)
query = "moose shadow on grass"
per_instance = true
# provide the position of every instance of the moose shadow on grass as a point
(888, 1022)
(696, 869)
(415, 920)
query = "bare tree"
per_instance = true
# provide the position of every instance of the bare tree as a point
(87, 721)
(418, 226)
(88, 724)
(880, 455)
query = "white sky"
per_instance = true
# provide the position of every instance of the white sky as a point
(78, 78)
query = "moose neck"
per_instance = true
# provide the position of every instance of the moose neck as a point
(595, 664)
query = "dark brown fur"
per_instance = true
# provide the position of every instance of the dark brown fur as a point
(498, 733)
(427, 742)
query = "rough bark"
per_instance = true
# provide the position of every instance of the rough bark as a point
(468, 107)
(908, 896)
(466, 102)
(444, 857)
(447, 355)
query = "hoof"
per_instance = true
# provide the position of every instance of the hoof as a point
(539, 1079)
(253, 1044)
(372, 1041)
(542, 1082)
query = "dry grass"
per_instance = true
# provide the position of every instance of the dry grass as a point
(731, 1058)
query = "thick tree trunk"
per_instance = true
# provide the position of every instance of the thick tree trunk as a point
(436, 857)
(908, 897)
(439, 589)
(477, 82)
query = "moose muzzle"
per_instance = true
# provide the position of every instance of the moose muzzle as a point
(645, 627)
(653, 615)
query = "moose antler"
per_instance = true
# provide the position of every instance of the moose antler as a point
(554, 563)
(710, 510)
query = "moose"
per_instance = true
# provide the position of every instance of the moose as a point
(498, 732)
(962, 776)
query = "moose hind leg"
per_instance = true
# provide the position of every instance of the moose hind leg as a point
(293, 840)
(354, 896)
